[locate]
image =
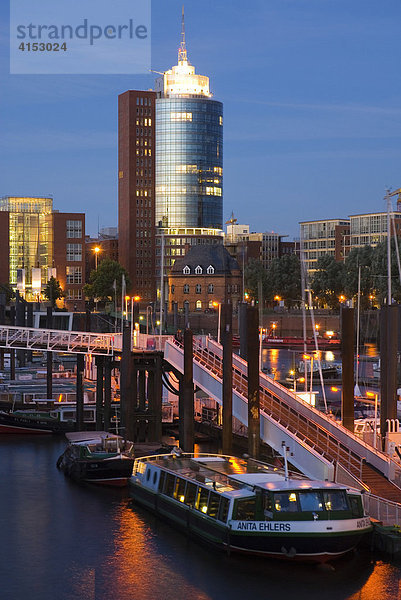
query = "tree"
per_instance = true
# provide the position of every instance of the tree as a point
(284, 277)
(328, 280)
(255, 272)
(379, 271)
(53, 291)
(102, 280)
(360, 257)
(7, 290)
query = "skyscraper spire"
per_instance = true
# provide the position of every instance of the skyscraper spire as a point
(182, 51)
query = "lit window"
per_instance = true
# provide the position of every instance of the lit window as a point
(220, 120)
(198, 305)
(213, 191)
(181, 116)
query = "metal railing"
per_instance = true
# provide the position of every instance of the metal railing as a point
(54, 340)
(389, 513)
(306, 430)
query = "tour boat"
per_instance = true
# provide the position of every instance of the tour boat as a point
(97, 457)
(243, 505)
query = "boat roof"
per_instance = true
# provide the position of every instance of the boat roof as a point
(76, 437)
(236, 477)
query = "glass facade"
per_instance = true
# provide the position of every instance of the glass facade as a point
(189, 162)
(30, 237)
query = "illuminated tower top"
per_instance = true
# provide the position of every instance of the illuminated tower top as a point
(181, 81)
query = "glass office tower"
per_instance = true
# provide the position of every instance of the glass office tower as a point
(189, 149)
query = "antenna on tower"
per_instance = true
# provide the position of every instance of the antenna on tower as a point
(182, 51)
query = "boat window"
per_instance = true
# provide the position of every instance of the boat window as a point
(268, 505)
(169, 488)
(286, 502)
(335, 500)
(213, 508)
(246, 509)
(180, 492)
(148, 475)
(154, 477)
(224, 506)
(203, 496)
(356, 506)
(190, 495)
(311, 501)
(161, 480)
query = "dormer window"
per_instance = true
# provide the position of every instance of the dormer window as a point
(210, 270)
(186, 270)
(198, 270)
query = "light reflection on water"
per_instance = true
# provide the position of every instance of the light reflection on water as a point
(62, 541)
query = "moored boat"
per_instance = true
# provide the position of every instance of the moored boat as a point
(31, 422)
(242, 505)
(97, 457)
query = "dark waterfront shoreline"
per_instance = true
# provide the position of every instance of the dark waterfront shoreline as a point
(64, 541)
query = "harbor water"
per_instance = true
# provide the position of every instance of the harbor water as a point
(64, 541)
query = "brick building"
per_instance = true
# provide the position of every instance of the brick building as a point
(69, 256)
(206, 274)
(107, 248)
(136, 189)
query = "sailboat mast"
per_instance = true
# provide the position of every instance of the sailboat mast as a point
(388, 198)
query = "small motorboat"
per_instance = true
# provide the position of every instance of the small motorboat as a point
(97, 457)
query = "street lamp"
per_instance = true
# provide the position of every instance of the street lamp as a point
(133, 299)
(219, 320)
(274, 327)
(126, 306)
(96, 250)
(149, 309)
(374, 395)
(295, 380)
(307, 357)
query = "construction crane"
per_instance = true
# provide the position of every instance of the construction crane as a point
(396, 193)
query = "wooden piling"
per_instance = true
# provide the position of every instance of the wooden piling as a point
(99, 392)
(49, 357)
(252, 324)
(227, 340)
(186, 398)
(347, 352)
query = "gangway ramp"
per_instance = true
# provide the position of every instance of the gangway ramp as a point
(207, 376)
(305, 426)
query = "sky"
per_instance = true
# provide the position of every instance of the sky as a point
(312, 113)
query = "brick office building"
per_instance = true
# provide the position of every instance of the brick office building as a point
(69, 256)
(136, 189)
(206, 274)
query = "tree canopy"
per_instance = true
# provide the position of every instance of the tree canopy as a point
(283, 278)
(53, 291)
(102, 280)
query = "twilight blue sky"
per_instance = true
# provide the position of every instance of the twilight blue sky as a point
(311, 92)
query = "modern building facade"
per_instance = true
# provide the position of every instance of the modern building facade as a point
(36, 243)
(136, 189)
(189, 149)
(319, 238)
(370, 229)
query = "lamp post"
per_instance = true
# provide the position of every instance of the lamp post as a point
(307, 357)
(96, 250)
(218, 321)
(374, 395)
(292, 372)
(149, 309)
(133, 299)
